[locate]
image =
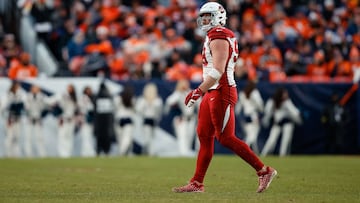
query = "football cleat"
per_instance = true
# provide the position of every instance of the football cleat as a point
(265, 178)
(193, 186)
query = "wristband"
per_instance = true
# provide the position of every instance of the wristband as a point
(198, 89)
(214, 74)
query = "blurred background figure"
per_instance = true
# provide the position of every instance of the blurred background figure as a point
(149, 106)
(294, 65)
(23, 69)
(68, 103)
(104, 119)
(42, 16)
(184, 119)
(250, 105)
(10, 49)
(33, 137)
(14, 108)
(95, 63)
(76, 52)
(284, 115)
(86, 107)
(334, 118)
(124, 120)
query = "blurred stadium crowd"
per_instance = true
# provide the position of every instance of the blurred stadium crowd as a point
(123, 40)
(279, 40)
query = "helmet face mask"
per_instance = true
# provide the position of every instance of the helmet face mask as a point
(217, 16)
(205, 22)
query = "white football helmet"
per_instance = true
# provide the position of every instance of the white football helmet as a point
(218, 15)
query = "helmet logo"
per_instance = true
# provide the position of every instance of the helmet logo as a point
(221, 9)
(217, 12)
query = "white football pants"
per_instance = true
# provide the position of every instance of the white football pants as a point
(287, 133)
(87, 140)
(12, 140)
(33, 136)
(125, 138)
(66, 138)
(185, 133)
(251, 135)
(149, 135)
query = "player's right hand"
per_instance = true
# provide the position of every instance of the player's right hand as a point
(193, 96)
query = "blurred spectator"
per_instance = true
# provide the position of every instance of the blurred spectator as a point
(338, 66)
(270, 61)
(34, 136)
(114, 36)
(102, 44)
(104, 120)
(284, 33)
(14, 109)
(87, 101)
(68, 102)
(334, 118)
(95, 65)
(195, 69)
(149, 106)
(76, 52)
(234, 24)
(284, 114)
(9, 17)
(124, 120)
(354, 58)
(98, 53)
(177, 42)
(23, 69)
(246, 64)
(301, 23)
(10, 49)
(306, 51)
(194, 36)
(158, 51)
(61, 26)
(249, 107)
(270, 57)
(136, 54)
(178, 69)
(354, 26)
(61, 38)
(293, 64)
(318, 69)
(42, 13)
(184, 119)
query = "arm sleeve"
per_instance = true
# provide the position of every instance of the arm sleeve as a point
(139, 105)
(12, 73)
(238, 105)
(171, 101)
(256, 98)
(294, 113)
(268, 112)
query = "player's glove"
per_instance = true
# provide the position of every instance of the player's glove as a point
(193, 96)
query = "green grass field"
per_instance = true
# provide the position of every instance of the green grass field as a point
(144, 179)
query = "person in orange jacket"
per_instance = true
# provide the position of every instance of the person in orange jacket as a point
(23, 69)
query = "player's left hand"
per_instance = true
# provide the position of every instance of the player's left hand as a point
(193, 96)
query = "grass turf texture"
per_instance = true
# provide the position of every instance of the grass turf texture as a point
(144, 179)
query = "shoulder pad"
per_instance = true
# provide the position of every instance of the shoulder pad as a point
(220, 33)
